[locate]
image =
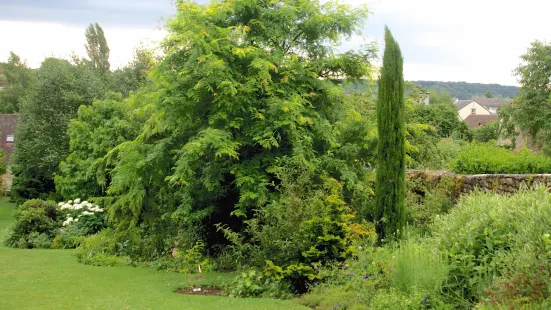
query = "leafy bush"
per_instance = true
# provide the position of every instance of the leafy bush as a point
(478, 158)
(101, 249)
(35, 225)
(487, 133)
(308, 226)
(489, 238)
(254, 283)
(426, 199)
(352, 283)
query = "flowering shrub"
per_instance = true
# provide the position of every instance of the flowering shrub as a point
(43, 224)
(79, 219)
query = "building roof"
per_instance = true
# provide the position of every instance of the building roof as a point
(460, 104)
(490, 102)
(475, 121)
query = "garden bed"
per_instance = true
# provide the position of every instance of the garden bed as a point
(203, 290)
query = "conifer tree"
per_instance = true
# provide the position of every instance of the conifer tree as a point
(390, 181)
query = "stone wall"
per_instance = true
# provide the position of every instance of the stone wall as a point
(499, 183)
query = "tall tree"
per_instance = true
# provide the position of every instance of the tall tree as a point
(97, 48)
(42, 139)
(390, 179)
(533, 111)
(19, 78)
(243, 85)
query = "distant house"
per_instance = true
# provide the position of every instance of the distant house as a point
(7, 133)
(476, 121)
(491, 104)
(465, 108)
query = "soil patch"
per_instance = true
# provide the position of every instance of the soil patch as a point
(204, 290)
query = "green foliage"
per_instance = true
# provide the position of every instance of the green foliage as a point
(418, 268)
(532, 111)
(389, 277)
(440, 97)
(426, 199)
(464, 90)
(101, 249)
(35, 225)
(489, 238)
(97, 48)
(41, 132)
(478, 158)
(443, 117)
(193, 259)
(243, 85)
(19, 78)
(96, 130)
(308, 226)
(253, 283)
(396, 299)
(390, 182)
(134, 75)
(487, 132)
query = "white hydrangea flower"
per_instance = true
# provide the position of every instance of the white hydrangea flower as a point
(70, 202)
(85, 202)
(89, 205)
(60, 204)
(76, 220)
(87, 213)
(77, 207)
(77, 200)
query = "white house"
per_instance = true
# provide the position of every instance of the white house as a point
(491, 104)
(470, 107)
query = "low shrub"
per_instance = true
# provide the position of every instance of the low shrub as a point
(352, 284)
(486, 239)
(101, 249)
(487, 158)
(35, 225)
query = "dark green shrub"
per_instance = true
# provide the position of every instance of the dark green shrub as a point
(479, 158)
(487, 133)
(35, 225)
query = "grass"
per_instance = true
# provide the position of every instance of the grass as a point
(52, 279)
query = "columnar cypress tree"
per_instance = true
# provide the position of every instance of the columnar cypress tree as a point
(390, 182)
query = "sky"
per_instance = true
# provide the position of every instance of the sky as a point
(441, 40)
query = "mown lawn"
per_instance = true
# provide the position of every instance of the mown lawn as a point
(52, 279)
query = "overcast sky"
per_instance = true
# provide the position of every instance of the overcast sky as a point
(468, 40)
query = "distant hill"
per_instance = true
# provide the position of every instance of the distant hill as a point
(464, 90)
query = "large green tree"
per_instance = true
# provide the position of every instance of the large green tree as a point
(97, 48)
(19, 78)
(42, 139)
(532, 107)
(391, 177)
(244, 85)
